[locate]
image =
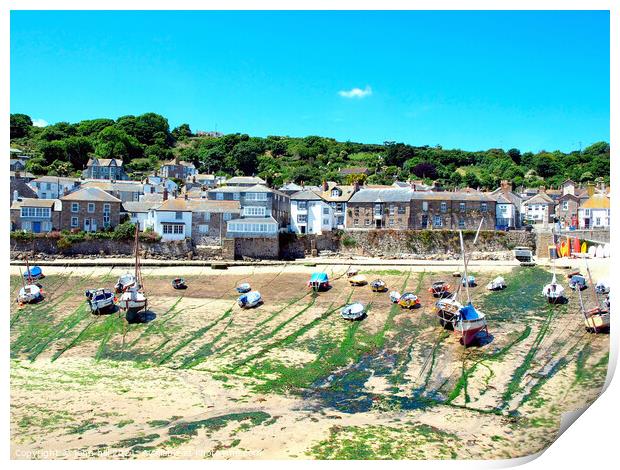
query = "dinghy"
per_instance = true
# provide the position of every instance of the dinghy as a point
(447, 310)
(584, 248)
(133, 299)
(125, 282)
(179, 283)
(243, 288)
(100, 301)
(554, 292)
(319, 281)
(602, 287)
(354, 311)
(358, 280)
(577, 282)
(394, 296)
(469, 322)
(471, 281)
(440, 288)
(456, 274)
(353, 272)
(35, 273)
(249, 300)
(600, 251)
(409, 300)
(378, 285)
(592, 251)
(497, 284)
(29, 293)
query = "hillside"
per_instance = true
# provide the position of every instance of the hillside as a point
(144, 141)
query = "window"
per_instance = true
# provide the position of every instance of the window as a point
(461, 223)
(75, 207)
(598, 221)
(256, 196)
(302, 218)
(178, 229)
(254, 211)
(444, 207)
(356, 222)
(462, 206)
(391, 222)
(325, 210)
(206, 216)
(425, 206)
(302, 205)
(367, 221)
(178, 215)
(325, 221)
(74, 222)
(401, 209)
(335, 192)
(203, 228)
(219, 196)
(91, 207)
(483, 207)
(227, 215)
(236, 196)
(340, 206)
(587, 212)
(170, 229)
(392, 209)
(42, 212)
(378, 209)
(356, 211)
(438, 222)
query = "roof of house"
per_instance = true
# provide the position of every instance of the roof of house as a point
(511, 196)
(22, 188)
(33, 202)
(56, 179)
(181, 162)
(596, 201)
(152, 197)
(244, 180)
(452, 196)
(501, 198)
(200, 176)
(305, 195)
(258, 188)
(121, 186)
(256, 220)
(22, 174)
(540, 198)
(90, 194)
(140, 206)
(354, 170)
(207, 205)
(382, 195)
(104, 161)
(179, 204)
(346, 192)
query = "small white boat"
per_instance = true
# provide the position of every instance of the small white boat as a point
(554, 292)
(358, 280)
(600, 251)
(447, 311)
(394, 296)
(243, 288)
(249, 300)
(602, 287)
(100, 300)
(132, 300)
(29, 293)
(497, 284)
(353, 272)
(378, 285)
(354, 311)
(125, 282)
(607, 250)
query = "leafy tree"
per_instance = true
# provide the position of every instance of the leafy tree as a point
(78, 150)
(113, 142)
(425, 170)
(52, 151)
(182, 132)
(20, 125)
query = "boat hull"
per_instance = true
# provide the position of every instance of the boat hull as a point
(597, 320)
(101, 306)
(468, 330)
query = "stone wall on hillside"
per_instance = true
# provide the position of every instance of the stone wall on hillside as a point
(257, 248)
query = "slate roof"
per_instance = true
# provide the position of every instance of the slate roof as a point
(56, 179)
(90, 194)
(382, 195)
(33, 202)
(140, 206)
(540, 198)
(121, 186)
(207, 205)
(347, 192)
(305, 195)
(244, 180)
(104, 161)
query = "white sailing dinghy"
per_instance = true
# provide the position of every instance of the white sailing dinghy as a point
(497, 284)
(29, 292)
(553, 292)
(133, 299)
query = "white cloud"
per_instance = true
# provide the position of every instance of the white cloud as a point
(356, 92)
(38, 122)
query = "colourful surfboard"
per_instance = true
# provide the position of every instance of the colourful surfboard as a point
(576, 245)
(584, 248)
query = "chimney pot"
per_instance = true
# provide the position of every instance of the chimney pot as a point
(165, 194)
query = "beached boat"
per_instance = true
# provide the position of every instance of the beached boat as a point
(100, 300)
(243, 288)
(457, 274)
(29, 293)
(577, 282)
(469, 322)
(602, 287)
(596, 319)
(133, 299)
(471, 281)
(353, 272)
(358, 280)
(124, 282)
(354, 311)
(179, 283)
(378, 285)
(554, 292)
(249, 300)
(440, 288)
(35, 273)
(394, 296)
(523, 254)
(319, 281)
(447, 310)
(497, 284)
(409, 300)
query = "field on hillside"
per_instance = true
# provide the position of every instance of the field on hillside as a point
(292, 379)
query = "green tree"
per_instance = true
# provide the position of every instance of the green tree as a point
(113, 142)
(20, 125)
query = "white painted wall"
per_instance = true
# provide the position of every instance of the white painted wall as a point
(156, 220)
(599, 218)
(315, 217)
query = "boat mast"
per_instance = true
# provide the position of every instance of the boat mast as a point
(583, 310)
(22, 276)
(465, 267)
(597, 298)
(28, 270)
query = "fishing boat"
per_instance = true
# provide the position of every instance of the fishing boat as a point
(602, 287)
(35, 273)
(100, 301)
(394, 296)
(133, 299)
(577, 282)
(319, 281)
(457, 274)
(409, 300)
(574, 272)
(468, 321)
(358, 280)
(471, 281)
(440, 288)
(126, 281)
(447, 310)
(354, 311)
(249, 300)
(30, 292)
(554, 292)
(179, 283)
(378, 285)
(353, 272)
(596, 319)
(243, 288)
(497, 284)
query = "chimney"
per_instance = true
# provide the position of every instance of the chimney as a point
(325, 185)
(590, 188)
(65, 191)
(15, 195)
(165, 194)
(356, 186)
(17, 174)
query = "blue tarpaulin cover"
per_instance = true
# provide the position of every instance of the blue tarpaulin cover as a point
(318, 277)
(468, 312)
(35, 271)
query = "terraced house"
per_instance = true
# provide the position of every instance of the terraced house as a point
(105, 169)
(53, 187)
(338, 196)
(376, 208)
(35, 215)
(264, 211)
(89, 209)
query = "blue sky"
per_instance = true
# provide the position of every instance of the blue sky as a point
(471, 80)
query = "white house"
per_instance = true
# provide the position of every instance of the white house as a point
(505, 212)
(539, 208)
(53, 187)
(138, 212)
(172, 220)
(157, 184)
(595, 212)
(310, 213)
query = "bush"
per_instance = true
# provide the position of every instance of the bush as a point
(124, 231)
(149, 236)
(22, 236)
(63, 243)
(348, 242)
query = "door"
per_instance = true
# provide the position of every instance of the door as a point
(36, 227)
(424, 221)
(378, 223)
(93, 225)
(87, 225)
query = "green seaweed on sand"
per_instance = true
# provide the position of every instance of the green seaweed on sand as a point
(190, 428)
